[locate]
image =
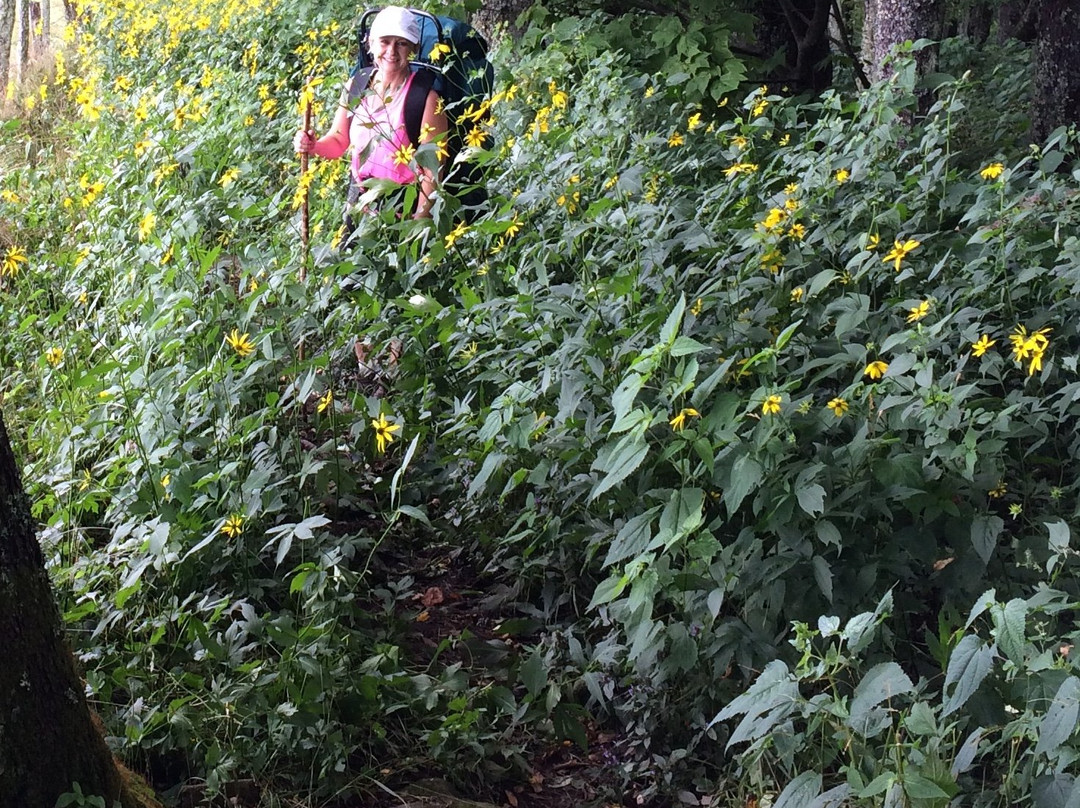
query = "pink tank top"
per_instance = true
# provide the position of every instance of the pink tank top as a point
(376, 133)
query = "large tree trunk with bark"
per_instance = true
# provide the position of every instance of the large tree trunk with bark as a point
(1057, 67)
(7, 30)
(48, 740)
(897, 21)
(496, 15)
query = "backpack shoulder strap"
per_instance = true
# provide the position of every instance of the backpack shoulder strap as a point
(358, 84)
(415, 101)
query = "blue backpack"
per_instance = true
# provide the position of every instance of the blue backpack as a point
(452, 60)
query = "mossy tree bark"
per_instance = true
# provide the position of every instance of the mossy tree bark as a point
(47, 736)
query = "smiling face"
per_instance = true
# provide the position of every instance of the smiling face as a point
(391, 54)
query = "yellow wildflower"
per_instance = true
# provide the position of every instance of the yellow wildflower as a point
(679, 421)
(1030, 346)
(992, 171)
(797, 231)
(459, 230)
(675, 139)
(325, 401)
(999, 490)
(775, 218)
(875, 370)
(233, 526)
(839, 406)
(916, 313)
(404, 154)
(740, 168)
(791, 188)
(13, 259)
(54, 356)
(739, 142)
(797, 294)
(384, 432)
(240, 342)
(759, 107)
(842, 176)
(475, 138)
(872, 241)
(697, 307)
(771, 405)
(146, 225)
(439, 51)
(982, 345)
(899, 251)
(694, 121)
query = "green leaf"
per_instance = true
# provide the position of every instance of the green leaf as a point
(619, 461)
(917, 787)
(1059, 723)
(985, 601)
(745, 477)
(625, 394)
(1058, 543)
(985, 531)
(1009, 624)
(787, 334)
(684, 346)
(800, 792)
(811, 498)
(534, 674)
(920, 720)
(674, 320)
(823, 576)
(969, 664)
(633, 537)
(609, 589)
(883, 682)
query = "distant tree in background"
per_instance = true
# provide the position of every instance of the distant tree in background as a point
(7, 31)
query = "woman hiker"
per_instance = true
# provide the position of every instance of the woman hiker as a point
(374, 127)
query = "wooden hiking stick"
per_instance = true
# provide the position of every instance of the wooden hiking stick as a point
(304, 216)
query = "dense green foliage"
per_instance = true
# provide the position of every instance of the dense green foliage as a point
(712, 363)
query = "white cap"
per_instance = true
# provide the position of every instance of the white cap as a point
(395, 21)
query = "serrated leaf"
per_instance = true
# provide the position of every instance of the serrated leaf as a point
(622, 400)
(883, 682)
(1009, 623)
(633, 537)
(966, 756)
(674, 320)
(823, 576)
(1059, 723)
(608, 589)
(684, 346)
(969, 664)
(984, 602)
(800, 791)
(619, 462)
(985, 532)
(745, 477)
(811, 498)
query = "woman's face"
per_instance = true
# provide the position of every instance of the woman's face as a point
(391, 54)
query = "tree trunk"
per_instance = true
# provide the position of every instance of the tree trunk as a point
(898, 21)
(1057, 67)
(499, 14)
(48, 740)
(7, 29)
(799, 29)
(24, 39)
(975, 21)
(1016, 20)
